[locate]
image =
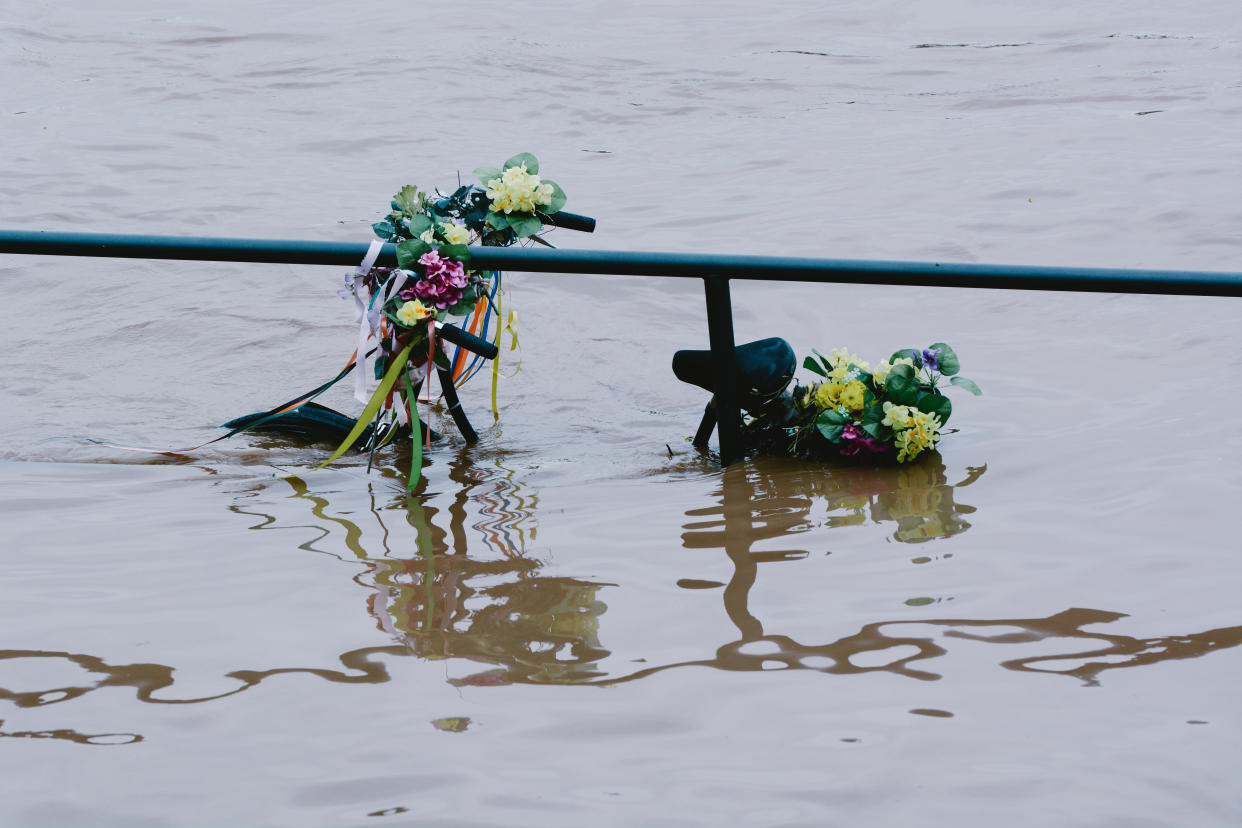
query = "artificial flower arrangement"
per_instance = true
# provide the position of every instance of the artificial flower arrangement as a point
(895, 411)
(397, 308)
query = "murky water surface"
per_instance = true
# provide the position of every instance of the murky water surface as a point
(1039, 626)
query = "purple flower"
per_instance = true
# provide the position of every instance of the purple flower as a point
(854, 441)
(931, 358)
(443, 284)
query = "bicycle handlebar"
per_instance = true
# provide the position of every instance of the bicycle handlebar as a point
(570, 221)
(469, 341)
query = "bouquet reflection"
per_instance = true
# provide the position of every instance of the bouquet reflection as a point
(458, 598)
(468, 588)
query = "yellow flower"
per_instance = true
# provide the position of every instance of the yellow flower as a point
(853, 396)
(844, 364)
(897, 416)
(926, 421)
(514, 176)
(827, 395)
(413, 312)
(517, 189)
(908, 446)
(454, 233)
(918, 437)
(881, 373)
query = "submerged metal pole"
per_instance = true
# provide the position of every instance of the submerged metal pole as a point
(724, 367)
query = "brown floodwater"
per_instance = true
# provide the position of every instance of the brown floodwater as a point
(1039, 625)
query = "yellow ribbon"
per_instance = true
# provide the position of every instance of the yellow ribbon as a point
(510, 326)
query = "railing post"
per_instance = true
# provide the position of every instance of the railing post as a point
(724, 367)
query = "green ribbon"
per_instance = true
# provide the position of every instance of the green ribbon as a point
(377, 399)
(416, 435)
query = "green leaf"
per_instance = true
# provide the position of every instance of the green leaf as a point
(558, 197)
(901, 390)
(463, 307)
(830, 425)
(531, 162)
(409, 251)
(406, 199)
(830, 433)
(969, 385)
(937, 404)
(420, 224)
(500, 221)
(872, 425)
(906, 353)
(384, 230)
(486, 174)
(831, 416)
(456, 252)
(902, 370)
(878, 430)
(949, 364)
(811, 365)
(524, 224)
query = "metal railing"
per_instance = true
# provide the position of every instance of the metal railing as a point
(716, 271)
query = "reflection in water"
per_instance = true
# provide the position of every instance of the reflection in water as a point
(73, 736)
(764, 501)
(495, 608)
(787, 498)
(841, 657)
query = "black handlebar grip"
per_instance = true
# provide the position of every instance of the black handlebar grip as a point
(469, 341)
(570, 221)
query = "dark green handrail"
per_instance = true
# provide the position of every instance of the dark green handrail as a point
(643, 263)
(714, 269)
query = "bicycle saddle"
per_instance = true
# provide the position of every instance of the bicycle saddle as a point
(764, 369)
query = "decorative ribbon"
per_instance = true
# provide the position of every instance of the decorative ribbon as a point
(431, 357)
(363, 302)
(496, 361)
(391, 376)
(416, 441)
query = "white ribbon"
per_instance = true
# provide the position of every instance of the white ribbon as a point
(364, 368)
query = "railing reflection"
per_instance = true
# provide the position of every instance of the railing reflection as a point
(473, 591)
(766, 501)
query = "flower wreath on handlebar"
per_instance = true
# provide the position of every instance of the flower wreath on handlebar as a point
(399, 310)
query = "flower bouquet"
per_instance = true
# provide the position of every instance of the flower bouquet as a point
(433, 278)
(893, 412)
(397, 309)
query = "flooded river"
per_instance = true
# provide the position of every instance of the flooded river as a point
(1037, 626)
